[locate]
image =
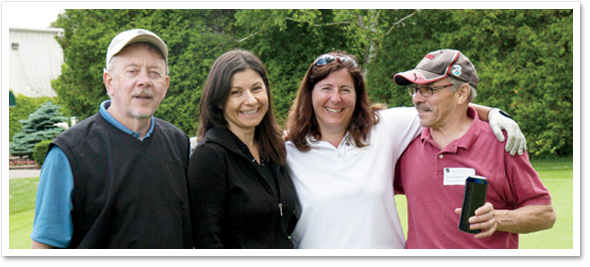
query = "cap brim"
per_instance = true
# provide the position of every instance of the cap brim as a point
(416, 76)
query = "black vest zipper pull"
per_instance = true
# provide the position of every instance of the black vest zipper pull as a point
(281, 208)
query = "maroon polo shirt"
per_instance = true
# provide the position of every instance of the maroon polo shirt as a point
(433, 196)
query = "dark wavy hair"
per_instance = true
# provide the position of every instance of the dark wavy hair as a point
(302, 120)
(216, 91)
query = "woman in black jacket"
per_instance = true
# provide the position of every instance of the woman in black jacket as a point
(241, 194)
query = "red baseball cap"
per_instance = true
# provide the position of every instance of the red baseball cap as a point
(438, 65)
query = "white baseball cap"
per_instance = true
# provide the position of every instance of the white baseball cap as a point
(128, 37)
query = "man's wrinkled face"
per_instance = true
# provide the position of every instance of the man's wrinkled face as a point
(137, 82)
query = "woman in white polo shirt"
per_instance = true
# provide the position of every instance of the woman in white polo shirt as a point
(341, 155)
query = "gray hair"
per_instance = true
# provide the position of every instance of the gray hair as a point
(458, 83)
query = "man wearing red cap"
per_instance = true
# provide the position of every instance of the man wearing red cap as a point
(453, 145)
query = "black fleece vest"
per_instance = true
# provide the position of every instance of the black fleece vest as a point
(128, 193)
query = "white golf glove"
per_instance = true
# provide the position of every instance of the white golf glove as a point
(500, 120)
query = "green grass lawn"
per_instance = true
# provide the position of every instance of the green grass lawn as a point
(21, 211)
(557, 175)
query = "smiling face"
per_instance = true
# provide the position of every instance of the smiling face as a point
(333, 100)
(137, 82)
(247, 102)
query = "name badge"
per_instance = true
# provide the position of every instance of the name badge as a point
(457, 176)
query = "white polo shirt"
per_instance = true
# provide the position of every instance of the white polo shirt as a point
(346, 193)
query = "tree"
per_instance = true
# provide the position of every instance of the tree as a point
(38, 127)
(25, 106)
(527, 68)
(523, 57)
(362, 29)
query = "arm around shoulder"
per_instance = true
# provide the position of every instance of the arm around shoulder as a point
(500, 120)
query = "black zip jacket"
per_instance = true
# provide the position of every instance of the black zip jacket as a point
(236, 202)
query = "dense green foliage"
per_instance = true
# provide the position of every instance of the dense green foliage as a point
(194, 38)
(39, 126)
(40, 151)
(523, 57)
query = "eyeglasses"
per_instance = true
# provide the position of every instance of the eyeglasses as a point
(326, 59)
(425, 91)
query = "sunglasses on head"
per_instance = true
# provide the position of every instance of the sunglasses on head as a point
(329, 58)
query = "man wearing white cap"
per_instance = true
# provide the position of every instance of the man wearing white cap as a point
(453, 145)
(118, 178)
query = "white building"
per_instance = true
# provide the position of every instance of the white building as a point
(35, 60)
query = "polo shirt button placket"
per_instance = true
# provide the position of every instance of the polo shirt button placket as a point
(340, 150)
(440, 156)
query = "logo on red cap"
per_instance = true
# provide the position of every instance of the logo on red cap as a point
(456, 70)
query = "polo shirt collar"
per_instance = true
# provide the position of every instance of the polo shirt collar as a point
(313, 142)
(108, 117)
(465, 141)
